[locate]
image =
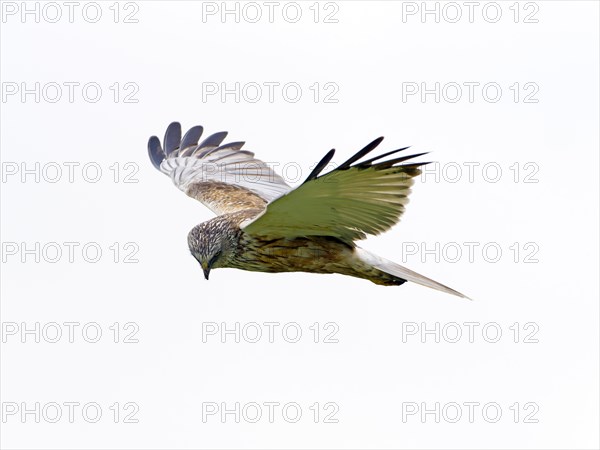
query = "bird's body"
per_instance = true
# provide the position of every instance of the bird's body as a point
(314, 254)
(265, 226)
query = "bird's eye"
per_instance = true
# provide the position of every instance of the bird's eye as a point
(214, 258)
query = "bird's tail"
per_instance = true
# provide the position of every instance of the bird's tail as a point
(402, 273)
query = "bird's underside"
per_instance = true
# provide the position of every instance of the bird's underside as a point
(314, 254)
(264, 225)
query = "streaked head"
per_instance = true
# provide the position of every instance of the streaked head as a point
(210, 244)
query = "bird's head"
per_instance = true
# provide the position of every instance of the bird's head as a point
(208, 243)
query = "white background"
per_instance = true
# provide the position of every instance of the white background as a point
(372, 371)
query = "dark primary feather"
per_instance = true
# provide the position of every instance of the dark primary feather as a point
(361, 153)
(369, 161)
(322, 164)
(209, 144)
(191, 138)
(172, 137)
(389, 163)
(176, 146)
(363, 164)
(155, 151)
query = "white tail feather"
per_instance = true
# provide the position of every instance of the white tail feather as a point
(402, 272)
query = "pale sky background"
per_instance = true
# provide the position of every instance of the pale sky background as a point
(170, 56)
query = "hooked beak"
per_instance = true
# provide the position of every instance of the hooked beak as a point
(206, 270)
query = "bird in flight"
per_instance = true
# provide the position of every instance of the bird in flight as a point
(264, 225)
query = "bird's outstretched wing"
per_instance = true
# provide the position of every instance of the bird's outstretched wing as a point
(355, 199)
(223, 177)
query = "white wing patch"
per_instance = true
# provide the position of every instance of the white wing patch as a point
(238, 168)
(223, 177)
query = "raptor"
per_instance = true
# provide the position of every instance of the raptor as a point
(264, 225)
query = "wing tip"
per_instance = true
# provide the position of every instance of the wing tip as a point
(320, 165)
(172, 138)
(358, 155)
(192, 136)
(155, 151)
